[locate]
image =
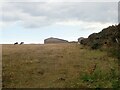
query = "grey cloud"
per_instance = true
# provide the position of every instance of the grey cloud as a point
(60, 0)
(30, 13)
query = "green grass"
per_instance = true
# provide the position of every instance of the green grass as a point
(57, 66)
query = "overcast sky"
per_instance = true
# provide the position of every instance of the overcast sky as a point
(32, 22)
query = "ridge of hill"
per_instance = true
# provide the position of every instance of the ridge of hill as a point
(54, 40)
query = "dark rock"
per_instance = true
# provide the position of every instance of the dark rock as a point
(62, 79)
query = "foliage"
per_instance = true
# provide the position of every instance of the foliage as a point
(114, 52)
(95, 45)
(108, 36)
(97, 79)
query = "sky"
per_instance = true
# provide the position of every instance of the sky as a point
(32, 22)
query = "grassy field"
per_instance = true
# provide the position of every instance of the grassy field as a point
(57, 66)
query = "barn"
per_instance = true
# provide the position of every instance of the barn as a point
(52, 40)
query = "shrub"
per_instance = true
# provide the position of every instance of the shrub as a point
(95, 45)
(114, 52)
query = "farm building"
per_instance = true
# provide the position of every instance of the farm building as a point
(52, 40)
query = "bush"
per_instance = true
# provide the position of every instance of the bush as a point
(100, 79)
(95, 46)
(114, 52)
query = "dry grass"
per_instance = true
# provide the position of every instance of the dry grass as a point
(54, 66)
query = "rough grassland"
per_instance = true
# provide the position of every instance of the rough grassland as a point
(57, 66)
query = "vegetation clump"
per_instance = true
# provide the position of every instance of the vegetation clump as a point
(109, 36)
(107, 39)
